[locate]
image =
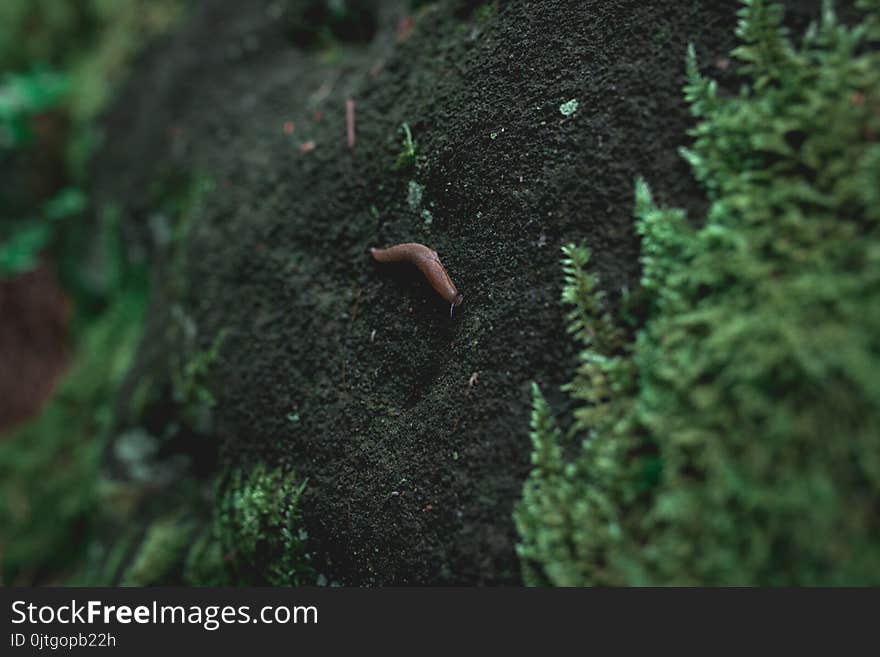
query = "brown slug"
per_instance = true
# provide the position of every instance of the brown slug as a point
(428, 263)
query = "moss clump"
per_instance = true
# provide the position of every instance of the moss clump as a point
(257, 526)
(736, 439)
(161, 553)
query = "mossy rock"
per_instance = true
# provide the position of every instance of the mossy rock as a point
(410, 428)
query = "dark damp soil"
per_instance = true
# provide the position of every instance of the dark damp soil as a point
(411, 428)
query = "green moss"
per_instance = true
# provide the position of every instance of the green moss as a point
(103, 568)
(486, 12)
(736, 439)
(206, 564)
(141, 397)
(255, 537)
(178, 198)
(406, 159)
(257, 526)
(189, 384)
(161, 553)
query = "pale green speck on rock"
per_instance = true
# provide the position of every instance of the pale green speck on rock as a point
(569, 108)
(414, 195)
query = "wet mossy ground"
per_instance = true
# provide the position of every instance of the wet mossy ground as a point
(411, 428)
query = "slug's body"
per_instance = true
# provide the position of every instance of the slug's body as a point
(428, 263)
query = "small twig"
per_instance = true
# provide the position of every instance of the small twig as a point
(349, 121)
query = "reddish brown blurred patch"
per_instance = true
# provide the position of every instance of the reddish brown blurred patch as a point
(34, 321)
(404, 28)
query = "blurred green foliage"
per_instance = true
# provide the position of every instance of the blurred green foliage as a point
(60, 63)
(189, 375)
(160, 554)
(21, 250)
(327, 24)
(49, 466)
(60, 60)
(91, 41)
(144, 537)
(21, 97)
(736, 438)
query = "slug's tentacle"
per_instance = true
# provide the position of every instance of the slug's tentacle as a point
(428, 263)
